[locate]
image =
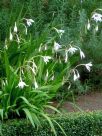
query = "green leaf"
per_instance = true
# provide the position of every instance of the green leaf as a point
(50, 123)
(1, 113)
(29, 116)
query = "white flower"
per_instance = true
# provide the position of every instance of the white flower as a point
(56, 46)
(59, 31)
(72, 50)
(15, 28)
(29, 22)
(96, 28)
(45, 47)
(76, 75)
(88, 66)
(21, 84)
(88, 25)
(11, 36)
(46, 59)
(35, 84)
(81, 1)
(52, 78)
(82, 55)
(97, 17)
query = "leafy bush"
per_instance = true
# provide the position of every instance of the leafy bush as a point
(74, 124)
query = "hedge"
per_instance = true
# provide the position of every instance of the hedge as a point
(74, 124)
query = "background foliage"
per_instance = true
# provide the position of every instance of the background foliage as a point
(71, 15)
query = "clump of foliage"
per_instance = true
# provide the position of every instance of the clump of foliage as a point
(32, 69)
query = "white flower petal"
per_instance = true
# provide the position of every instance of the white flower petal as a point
(46, 59)
(11, 36)
(82, 55)
(56, 46)
(72, 50)
(59, 31)
(29, 22)
(35, 84)
(88, 25)
(76, 75)
(96, 28)
(52, 78)
(15, 28)
(21, 84)
(88, 66)
(97, 17)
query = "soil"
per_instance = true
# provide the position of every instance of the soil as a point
(87, 102)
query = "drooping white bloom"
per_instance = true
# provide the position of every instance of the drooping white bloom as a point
(97, 17)
(59, 31)
(29, 22)
(52, 78)
(88, 65)
(35, 84)
(11, 36)
(46, 59)
(45, 47)
(69, 86)
(15, 28)
(72, 50)
(76, 75)
(82, 55)
(56, 46)
(88, 25)
(96, 28)
(21, 84)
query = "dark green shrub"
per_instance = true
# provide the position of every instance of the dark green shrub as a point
(74, 124)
